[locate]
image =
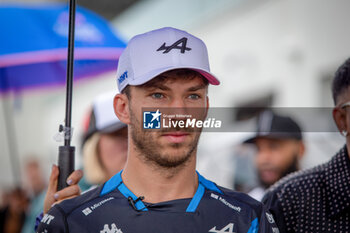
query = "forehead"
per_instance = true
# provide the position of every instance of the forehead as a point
(268, 140)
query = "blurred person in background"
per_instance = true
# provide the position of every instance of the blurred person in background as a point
(279, 149)
(104, 149)
(12, 215)
(36, 189)
(318, 199)
(105, 143)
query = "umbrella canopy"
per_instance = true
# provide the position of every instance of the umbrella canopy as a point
(33, 53)
(33, 46)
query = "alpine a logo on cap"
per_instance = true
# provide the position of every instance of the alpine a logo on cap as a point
(176, 45)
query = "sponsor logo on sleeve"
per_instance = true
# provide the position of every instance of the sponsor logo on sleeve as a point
(123, 77)
(47, 219)
(87, 211)
(90, 209)
(223, 200)
(270, 218)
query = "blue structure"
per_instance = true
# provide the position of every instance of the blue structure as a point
(34, 40)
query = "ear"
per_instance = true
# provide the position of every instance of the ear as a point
(339, 117)
(121, 108)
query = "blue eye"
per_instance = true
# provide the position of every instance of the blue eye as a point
(157, 95)
(194, 96)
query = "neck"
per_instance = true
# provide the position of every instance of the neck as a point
(159, 184)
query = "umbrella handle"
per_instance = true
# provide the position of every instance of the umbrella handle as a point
(65, 165)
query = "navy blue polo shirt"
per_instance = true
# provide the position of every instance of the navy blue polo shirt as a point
(113, 208)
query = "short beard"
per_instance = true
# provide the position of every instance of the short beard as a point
(152, 153)
(293, 167)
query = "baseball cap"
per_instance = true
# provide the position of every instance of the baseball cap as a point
(150, 54)
(271, 125)
(102, 118)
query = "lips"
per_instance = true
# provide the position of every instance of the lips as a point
(175, 137)
(269, 175)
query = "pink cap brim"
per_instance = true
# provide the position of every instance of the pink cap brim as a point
(141, 80)
(211, 78)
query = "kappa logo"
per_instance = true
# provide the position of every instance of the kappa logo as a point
(176, 45)
(113, 229)
(226, 229)
(47, 219)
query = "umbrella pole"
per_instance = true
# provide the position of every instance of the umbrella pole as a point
(66, 152)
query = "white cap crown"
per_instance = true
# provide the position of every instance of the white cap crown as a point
(150, 54)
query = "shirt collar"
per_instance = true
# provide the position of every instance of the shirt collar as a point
(116, 182)
(337, 183)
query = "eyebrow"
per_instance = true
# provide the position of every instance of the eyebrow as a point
(196, 88)
(158, 86)
(165, 88)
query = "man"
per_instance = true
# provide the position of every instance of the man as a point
(37, 187)
(159, 189)
(279, 149)
(12, 215)
(318, 199)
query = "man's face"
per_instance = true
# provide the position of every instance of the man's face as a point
(343, 98)
(276, 158)
(164, 147)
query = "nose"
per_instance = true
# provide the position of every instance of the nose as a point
(178, 106)
(263, 156)
(178, 102)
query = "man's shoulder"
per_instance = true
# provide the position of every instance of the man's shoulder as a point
(300, 180)
(56, 219)
(246, 208)
(242, 198)
(303, 180)
(70, 205)
(309, 178)
(228, 196)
